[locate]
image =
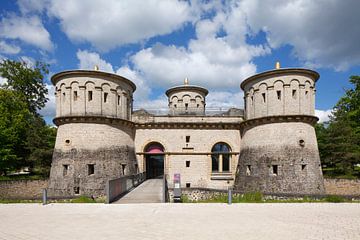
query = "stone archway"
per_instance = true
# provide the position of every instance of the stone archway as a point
(154, 160)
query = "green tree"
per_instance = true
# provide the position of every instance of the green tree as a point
(26, 140)
(14, 122)
(27, 81)
(339, 142)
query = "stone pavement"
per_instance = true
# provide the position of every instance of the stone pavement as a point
(180, 221)
(150, 191)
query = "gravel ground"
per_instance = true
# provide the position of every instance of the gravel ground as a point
(181, 221)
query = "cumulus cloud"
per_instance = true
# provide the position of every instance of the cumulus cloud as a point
(323, 33)
(323, 115)
(7, 48)
(219, 57)
(114, 23)
(28, 29)
(29, 6)
(88, 60)
(50, 108)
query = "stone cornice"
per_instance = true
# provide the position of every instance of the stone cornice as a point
(312, 120)
(92, 119)
(186, 88)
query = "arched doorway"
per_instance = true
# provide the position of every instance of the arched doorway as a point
(154, 160)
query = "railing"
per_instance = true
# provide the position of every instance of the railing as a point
(165, 190)
(117, 187)
(209, 111)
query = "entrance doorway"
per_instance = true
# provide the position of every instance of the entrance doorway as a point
(154, 160)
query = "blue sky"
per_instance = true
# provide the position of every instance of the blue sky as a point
(216, 44)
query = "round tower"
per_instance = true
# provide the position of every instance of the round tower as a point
(279, 151)
(187, 99)
(95, 136)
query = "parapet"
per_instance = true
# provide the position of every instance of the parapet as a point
(289, 91)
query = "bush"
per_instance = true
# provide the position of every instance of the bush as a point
(334, 199)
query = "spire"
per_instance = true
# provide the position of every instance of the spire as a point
(277, 65)
(186, 81)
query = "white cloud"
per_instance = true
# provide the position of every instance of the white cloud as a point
(9, 48)
(323, 115)
(28, 6)
(114, 23)
(50, 108)
(30, 62)
(323, 33)
(88, 60)
(225, 99)
(218, 58)
(27, 29)
(2, 80)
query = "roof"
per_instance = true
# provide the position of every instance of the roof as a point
(70, 73)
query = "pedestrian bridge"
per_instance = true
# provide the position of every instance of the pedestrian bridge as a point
(150, 191)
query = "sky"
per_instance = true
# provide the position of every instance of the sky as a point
(215, 44)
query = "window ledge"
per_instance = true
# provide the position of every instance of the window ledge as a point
(222, 176)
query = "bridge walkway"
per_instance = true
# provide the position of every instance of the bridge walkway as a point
(150, 191)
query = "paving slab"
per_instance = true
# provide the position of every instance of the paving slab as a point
(180, 221)
(150, 191)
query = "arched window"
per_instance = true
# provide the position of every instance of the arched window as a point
(220, 157)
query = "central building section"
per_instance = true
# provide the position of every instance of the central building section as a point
(203, 148)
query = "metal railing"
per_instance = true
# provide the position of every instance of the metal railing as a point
(115, 188)
(209, 111)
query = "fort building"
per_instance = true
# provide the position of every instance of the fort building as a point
(270, 146)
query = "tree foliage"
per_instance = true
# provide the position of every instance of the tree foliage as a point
(27, 81)
(339, 142)
(25, 139)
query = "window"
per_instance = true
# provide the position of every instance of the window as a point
(278, 95)
(90, 95)
(67, 141)
(187, 163)
(302, 142)
(220, 157)
(294, 93)
(105, 97)
(303, 167)
(187, 139)
(186, 106)
(252, 100)
(197, 105)
(123, 166)
(248, 170)
(65, 169)
(175, 105)
(264, 97)
(75, 95)
(91, 169)
(119, 100)
(275, 170)
(306, 93)
(188, 185)
(76, 190)
(64, 96)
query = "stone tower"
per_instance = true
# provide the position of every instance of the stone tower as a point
(187, 99)
(95, 137)
(279, 151)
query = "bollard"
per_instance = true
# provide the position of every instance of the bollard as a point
(229, 196)
(44, 196)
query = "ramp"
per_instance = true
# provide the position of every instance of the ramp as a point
(150, 191)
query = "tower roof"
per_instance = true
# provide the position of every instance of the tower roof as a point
(84, 73)
(281, 71)
(186, 87)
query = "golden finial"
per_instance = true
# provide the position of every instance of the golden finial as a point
(277, 65)
(186, 81)
(96, 68)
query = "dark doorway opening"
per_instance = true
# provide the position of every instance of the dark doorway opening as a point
(154, 159)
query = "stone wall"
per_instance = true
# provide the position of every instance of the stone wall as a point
(22, 189)
(342, 186)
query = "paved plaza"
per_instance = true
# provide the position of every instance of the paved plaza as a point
(180, 221)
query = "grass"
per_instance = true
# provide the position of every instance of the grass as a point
(22, 177)
(80, 199)
(257, 197)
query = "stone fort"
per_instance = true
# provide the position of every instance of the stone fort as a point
(270, 146)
